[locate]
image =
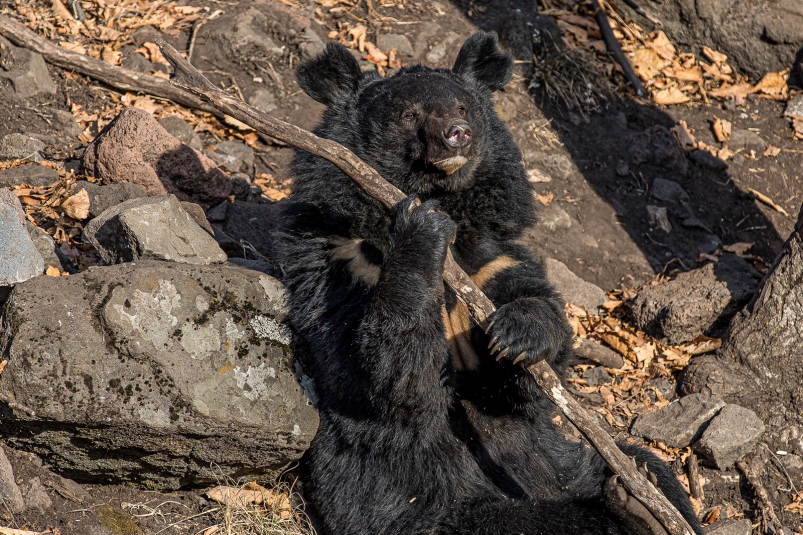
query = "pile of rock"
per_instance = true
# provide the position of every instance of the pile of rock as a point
(167, 366)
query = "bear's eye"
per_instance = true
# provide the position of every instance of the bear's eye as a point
(461, 110)
(409, 115)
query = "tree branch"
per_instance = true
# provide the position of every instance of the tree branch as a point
(369, 180)
(116, 77)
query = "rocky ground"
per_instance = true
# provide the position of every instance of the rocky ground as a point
(143, 354)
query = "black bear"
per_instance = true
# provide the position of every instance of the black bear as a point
(430, 425)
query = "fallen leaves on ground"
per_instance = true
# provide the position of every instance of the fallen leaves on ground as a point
(271, 187)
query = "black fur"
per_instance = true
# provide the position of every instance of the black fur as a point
(408, 442)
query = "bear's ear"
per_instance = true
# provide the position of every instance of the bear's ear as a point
(330, 77)
(480, 61)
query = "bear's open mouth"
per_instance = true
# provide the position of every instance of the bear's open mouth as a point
(451, 164)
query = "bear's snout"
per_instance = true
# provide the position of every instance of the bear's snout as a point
(457, 136)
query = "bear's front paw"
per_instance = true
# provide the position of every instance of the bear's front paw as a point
(424, 225)
(527, 331)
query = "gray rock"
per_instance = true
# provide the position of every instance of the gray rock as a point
(688, 305)
(230, 246)
(8, 198)
(46, 247)
(10, 494)
(33, 175)
(263, 100)
(703, 158)
(438, 54)
(662, 385)
(596, 376)
(311, 44)
(177, 375)
(36, 497)
(388, 41)
(138, 63)
(101, 198)
(729, 436)
(198, 215)
(152, 227)
(794, 108)
(747, 141)
(572, 288)
(554, 163)
(553, 217)
(658, 146)
(20, 147)
(19, 259)
(218, 213)
(659, 218)
(668, 191)
(729, 526)
(622, 169)
(28, 75)
(245, 34)
(181, 130)
(232, 156)
(678, 424)
(65, 121)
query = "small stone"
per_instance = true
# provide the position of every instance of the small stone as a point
(729, 436)
(553, 217)
(218, 213)
(28, 75)
(662, 385)
(263, 100)
(668, 191)
(36, 497)
(46, 247)
(703, 158)
(198, 215)
(33, 175)
(659, 218)
(729, 526)
(747, 141)
(554, 163)
(20, 147)
(572, 288)
(244, 34)
(311, 44)
(388, 41)
(10, 494)
(596, 376)
(152, 227)
(101, 198)
(658, 146)
(622, 169)
(679, 423)
(537, 176)
(19, 259)
(794, 107)
(65, 122)
(232, 156)
(181, 130)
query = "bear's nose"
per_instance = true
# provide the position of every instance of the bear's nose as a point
(457, 135)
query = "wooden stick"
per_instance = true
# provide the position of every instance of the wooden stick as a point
(695, 486)
(116, 77)
(616, 51)
(370, 182)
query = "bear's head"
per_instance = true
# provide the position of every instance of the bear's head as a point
(423, 129)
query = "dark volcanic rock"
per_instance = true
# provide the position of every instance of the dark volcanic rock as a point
(33, 175)
(730, 436)
(679, 423)
(157, 373)
(101, 198)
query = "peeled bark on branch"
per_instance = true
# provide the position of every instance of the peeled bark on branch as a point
(368, 179)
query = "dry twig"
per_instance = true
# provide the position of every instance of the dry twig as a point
(768, 515)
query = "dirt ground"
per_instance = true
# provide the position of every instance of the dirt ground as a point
(610, 240)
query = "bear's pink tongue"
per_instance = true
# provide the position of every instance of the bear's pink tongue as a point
(452, 164)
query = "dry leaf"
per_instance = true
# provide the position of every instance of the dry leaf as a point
(722, 129)
(154, 54)
(375, 55)
(713, 55)
(60, 10)
(773, 85)
(358, 35)
(580, 35)
(681, 131)
(661, 44)
(3, 365)
(77, 206)
(546, 200)
(670, 96)
(647, 63)
(111, 56)
(104, 33)
(693, 74)
(736, 91)
(771, 151)
(702, 344)
(73, 47)
(52, 272)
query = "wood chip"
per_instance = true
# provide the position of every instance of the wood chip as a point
(771, 151)
(547, 199)
(670, 96)
(769, 202)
